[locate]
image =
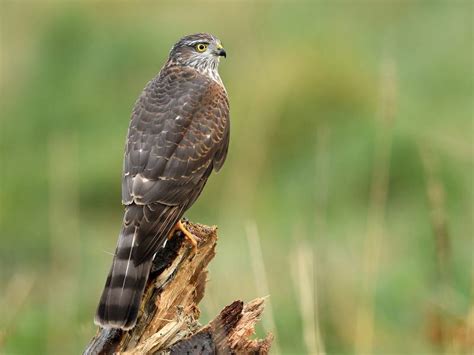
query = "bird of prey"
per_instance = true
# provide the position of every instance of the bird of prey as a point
(178, 134)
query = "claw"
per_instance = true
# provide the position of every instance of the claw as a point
(189, 236)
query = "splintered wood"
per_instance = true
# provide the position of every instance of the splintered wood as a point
(169, 313)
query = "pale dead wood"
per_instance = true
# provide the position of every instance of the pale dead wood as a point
(169, 313)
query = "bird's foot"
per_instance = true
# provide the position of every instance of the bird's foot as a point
(189, 236)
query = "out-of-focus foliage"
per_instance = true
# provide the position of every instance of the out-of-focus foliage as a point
(344, 115)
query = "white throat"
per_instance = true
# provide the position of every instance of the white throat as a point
(212, 73)
(207, 68)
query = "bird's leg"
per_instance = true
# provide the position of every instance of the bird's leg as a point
(191, 237)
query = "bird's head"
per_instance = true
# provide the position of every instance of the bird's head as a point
(201, 51)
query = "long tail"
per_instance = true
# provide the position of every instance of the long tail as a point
(120, 300)
(145, 229)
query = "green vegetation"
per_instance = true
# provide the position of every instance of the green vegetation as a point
(351, 151)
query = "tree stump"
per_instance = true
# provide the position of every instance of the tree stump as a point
(168, 317)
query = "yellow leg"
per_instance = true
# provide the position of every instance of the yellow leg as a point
(191, 237)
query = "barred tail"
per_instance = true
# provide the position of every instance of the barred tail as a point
(120, 300)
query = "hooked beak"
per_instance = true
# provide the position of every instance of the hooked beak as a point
(221, 51)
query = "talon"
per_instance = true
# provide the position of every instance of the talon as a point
(189, 236)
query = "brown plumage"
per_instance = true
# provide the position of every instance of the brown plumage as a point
(178, 134)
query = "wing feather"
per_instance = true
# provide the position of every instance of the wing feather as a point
(178, 133)
(179, 127)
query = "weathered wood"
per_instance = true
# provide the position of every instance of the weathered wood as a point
(169, 313)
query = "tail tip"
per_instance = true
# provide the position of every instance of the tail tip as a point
(125, 324)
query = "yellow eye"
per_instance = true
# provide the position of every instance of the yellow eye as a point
(201, 47)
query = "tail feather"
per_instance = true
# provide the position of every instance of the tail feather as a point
(144, 231)
(120, 300)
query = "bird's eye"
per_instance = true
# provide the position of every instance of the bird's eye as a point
(201, 47)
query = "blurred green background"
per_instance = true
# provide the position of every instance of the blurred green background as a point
(349, 175)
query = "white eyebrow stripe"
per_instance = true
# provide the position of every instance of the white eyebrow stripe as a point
(192, 43)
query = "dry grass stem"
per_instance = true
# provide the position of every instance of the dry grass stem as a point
(364, 336)
(260, 277)
(302, 267)
(435, 192)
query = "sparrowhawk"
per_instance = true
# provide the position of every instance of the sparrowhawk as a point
(178, 134)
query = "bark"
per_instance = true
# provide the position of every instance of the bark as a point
(169, 313)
